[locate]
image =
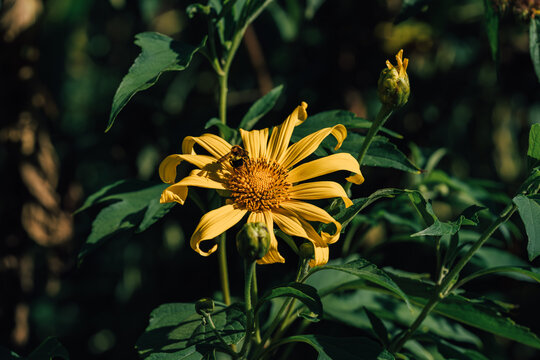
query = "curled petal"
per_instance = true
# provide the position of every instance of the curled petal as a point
(178, 192)
(319, 190)
(327, 165)
(213, 224)
(281, 135)
(292, 225)
(255, 142)
(215, 145)
(167, 168)
(311, 212)
(273, 255)
(306, 146)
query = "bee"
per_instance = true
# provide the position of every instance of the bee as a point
(237, 156)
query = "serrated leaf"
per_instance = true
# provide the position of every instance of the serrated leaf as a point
(50, 348)
(534, 44)
(130, 206)
(480, 313)
(340, 348)
(529, 210)
(363, 269)
(159, 53)
(492, 29)
(305, 293)
(260, 108)
(176, 331)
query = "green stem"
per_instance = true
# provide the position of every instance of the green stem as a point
(255, 299)
(249, 270)
(442, 290)
(226, 347)
(383, 115)
(223, 270)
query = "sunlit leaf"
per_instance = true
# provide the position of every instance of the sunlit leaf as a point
(129, 206)
(159, 53)
(529, 210)
(176, 332)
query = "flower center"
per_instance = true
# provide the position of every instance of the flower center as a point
(258, 185)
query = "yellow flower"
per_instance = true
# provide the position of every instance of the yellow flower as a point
(265, 186)
(393, 84)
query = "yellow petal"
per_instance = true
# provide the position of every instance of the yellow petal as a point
(327, 165)
(311, 212)
(273, 255)
(319, 190)
(215, 145)
(290, 224)
(310, 143)
(167, 168)
(213, 224)
(200, 178)
(255, 142)
(281, 135)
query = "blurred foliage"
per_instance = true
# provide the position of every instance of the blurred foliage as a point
(63, 60)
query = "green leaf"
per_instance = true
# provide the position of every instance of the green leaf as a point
(305, 293)
(159, 53)
(332, 117)
(534, 139)
(534, 44)
(378, 327)
(492, 29)
(439, 228)
(363, 269)
(490, 257)
(51, 348)
(529, 210)
(451, 351)
(528, 272)
(229, 134)
(177, 332)
(482, 314)
(340, 348)
(129, 206)
(260, 108)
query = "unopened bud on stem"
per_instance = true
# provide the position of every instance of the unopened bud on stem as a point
(253, 241)
(393, 85)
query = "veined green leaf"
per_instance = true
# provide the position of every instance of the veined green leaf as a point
(363, 269)
(529, 210)
(490, 257)
(176, 331)
(260, 108)
(534, 136)
(130, 206)
(531, 273)
(534, 44)
(439, 228)
(305, 293)
(482, 314)
(159, 53)
(330, 348)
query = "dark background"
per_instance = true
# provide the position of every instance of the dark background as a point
(60, 64)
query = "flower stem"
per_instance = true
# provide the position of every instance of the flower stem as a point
(383, 115)
(442, 290)
(255, 298)
(249, 270)
(225, 348)
(223, 270)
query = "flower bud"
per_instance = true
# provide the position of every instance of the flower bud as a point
(306, 251)
(204, 306)
(393, 85)
(253, 241)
